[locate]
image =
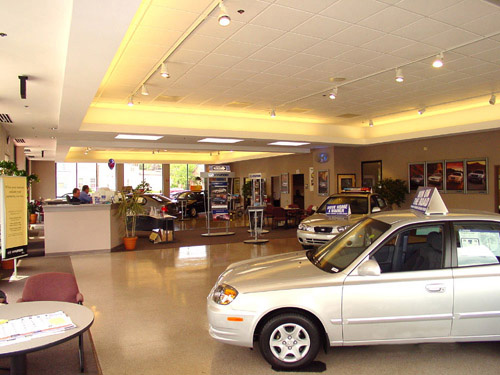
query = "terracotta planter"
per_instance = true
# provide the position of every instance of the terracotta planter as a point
(8, 264)
(129, 242)
(32, 218)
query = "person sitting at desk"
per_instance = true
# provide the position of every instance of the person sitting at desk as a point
(76, 196)
(84, 195)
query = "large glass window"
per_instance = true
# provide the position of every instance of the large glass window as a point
(135, 174)
(71, 175)
(182, 176)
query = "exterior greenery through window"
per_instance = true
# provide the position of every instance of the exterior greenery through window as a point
(184, 175)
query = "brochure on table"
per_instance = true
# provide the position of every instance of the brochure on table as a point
(13, 217)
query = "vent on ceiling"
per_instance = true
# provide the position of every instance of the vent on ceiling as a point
(31, 156)
(19, 140)
(26, 150)
(4, 117)
(348, 115)
(238, 104)
(298, 110)
(169, 99)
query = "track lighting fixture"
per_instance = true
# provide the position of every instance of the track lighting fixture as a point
(130, 101)
(370, 123)
(333, 94)
(224, 18)
(493, 99)
(272, 113)
(421, 111)
(144, 90)
(438, 61)
(399, 75)
(164, 71)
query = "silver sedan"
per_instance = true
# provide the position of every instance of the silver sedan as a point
(392, 278)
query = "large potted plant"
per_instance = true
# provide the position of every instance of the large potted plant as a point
(393, 190)
(32, 209)
(129, 207)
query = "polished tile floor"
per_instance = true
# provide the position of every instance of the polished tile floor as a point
(151, 319)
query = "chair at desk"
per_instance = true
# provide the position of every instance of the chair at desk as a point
(279, 215)
(54, 286)
(268, 213)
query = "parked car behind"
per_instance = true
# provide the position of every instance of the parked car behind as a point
(194, 201)
(158, 201)
(320, 228)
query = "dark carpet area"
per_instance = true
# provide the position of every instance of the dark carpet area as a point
(59, 359)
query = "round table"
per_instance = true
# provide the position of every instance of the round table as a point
(80, 315)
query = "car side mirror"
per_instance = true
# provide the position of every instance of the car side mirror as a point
(369, 268)
(375, 209)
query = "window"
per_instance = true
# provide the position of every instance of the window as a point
(65, 178)
(182, 176)
(135, 174)
(416, 249)
(477, 243)
(71, 175)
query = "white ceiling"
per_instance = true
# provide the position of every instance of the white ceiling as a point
(85, 59)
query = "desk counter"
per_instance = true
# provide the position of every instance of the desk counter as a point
(83, 227)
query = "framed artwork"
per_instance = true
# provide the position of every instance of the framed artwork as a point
(476, 175)
(323, 182)
(416, 175)
(284, 183)
(434, 174)
(345, 181)
(454, 173)
(371, 173)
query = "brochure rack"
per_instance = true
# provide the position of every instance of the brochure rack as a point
(256, 210)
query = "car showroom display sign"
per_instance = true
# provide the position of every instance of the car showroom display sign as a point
(338, 209)
(429, 201)
(13, 217)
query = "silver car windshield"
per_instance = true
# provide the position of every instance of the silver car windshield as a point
(337, 254)
(359, 205)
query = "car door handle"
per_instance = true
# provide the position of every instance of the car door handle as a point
(435, 288)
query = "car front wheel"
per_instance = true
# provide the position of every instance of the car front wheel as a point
(289, 341)
(193, 212)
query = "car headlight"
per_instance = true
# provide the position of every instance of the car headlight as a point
(306, 227)
(224, 294)
(342, 228)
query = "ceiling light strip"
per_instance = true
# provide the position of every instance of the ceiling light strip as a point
(214, 5)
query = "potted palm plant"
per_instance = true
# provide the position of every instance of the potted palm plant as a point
(129, 207)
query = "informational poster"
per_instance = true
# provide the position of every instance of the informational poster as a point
(311, 178)
(13, 217)
(218, 190)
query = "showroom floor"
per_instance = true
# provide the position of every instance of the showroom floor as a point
(151, 319)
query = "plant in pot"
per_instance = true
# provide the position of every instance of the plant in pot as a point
(32, 209)
(143, 187)
(393, 190)
(129, 207)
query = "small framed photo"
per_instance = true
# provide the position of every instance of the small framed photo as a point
(323, 182)
(416, 175)
(345, 181)
(284, 183)
(454, 172)
(476, 175)
(435, 174)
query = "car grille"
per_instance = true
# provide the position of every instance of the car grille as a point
(314, 241)
(323, 229)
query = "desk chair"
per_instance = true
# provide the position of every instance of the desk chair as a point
(54, 286)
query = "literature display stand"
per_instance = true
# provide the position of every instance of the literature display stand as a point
(256, 210)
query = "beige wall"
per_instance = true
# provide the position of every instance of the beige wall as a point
(395, 158)
(6, 150)
(46, 172)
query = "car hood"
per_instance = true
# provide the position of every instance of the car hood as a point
(333, 221)
(276, 272)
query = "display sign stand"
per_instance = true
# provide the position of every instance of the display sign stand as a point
(14, 211)
(183, 207)
(255, 219)
(218, 192)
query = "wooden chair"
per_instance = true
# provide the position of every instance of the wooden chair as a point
(279, 215)
(268, 214)
(54, 286)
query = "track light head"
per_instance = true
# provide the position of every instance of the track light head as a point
(333, 93)
(144, 90)
(438, 61)
(399, 75)
(493, 99)
(421, 111)
(130, 101)
(164, 71)
(272, 113)
(224, 18)
(370, 123)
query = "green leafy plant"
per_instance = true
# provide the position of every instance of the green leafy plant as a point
(393, 190)
(32, 207)
(9, 168)
(144, 187)
(129, 207)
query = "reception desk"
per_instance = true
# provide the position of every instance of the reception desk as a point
(70, 228)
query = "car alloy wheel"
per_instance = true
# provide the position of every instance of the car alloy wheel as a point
(193, 212)
(289, 341)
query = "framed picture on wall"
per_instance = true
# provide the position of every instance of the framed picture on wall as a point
(476, 175)
(416, 175)
(454, 174)
(345, 181)
(434, 173)
(284, 183)
(323, 182)
(371, 173)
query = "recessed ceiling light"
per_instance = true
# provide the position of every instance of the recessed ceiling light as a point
(286, 143)
(139, 136)
(220, 140)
